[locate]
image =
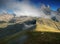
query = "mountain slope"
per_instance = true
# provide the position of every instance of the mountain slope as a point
(47, 25)
(6, 17)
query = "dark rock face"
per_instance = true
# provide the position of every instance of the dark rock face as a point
(12, 29)
(54, 18)
(32, 22)
(58, 9)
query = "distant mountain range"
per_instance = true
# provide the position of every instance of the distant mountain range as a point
(45, 10)
(55, 15)
(6, 17)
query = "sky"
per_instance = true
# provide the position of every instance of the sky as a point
(54, 4)
(26, 6)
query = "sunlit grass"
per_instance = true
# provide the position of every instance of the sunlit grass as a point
(46, 28)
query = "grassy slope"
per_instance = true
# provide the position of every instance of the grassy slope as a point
(43, 34)
(46, 32)
(3, 25)
(43, 38)
(47, 26)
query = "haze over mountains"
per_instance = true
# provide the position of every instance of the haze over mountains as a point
(44, 12)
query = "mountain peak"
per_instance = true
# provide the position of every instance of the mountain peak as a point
(58, 10)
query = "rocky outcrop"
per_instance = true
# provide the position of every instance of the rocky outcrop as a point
(49, 13)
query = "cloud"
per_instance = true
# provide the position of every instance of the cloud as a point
(25, 9)
(22, 8)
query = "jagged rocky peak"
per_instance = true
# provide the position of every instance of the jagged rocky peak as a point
(44, 6)
(54, 15)
(46, 9)
(58, 10)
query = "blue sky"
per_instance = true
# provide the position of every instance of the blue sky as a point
(54, 4)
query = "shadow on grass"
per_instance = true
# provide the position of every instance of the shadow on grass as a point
(34, 38)
(43, 38)
(13, 37)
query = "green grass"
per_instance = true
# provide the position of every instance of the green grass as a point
(35, 37)
(43, 38)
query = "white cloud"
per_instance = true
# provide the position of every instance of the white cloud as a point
(24, 9)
